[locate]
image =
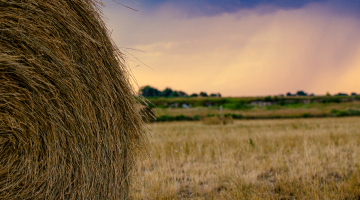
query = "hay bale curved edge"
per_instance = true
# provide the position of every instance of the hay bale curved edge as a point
(147, 114)
(69, 128)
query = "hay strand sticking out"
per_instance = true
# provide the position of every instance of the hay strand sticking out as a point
(69, 127)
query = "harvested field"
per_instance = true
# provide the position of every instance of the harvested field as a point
(253, 159)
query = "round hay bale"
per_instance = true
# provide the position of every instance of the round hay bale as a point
(69, 128)
(147, 114)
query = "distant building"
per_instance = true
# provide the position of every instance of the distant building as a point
(185, 105)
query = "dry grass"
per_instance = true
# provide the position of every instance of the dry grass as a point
(253, 159)
(69, 128)
(147, 114)
(216, 120)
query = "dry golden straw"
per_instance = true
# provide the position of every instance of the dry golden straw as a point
(147, 114)
(69, 128)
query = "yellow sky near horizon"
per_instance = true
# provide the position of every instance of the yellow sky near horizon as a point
(247, 53)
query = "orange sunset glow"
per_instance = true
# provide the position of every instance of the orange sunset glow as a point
(262, 50)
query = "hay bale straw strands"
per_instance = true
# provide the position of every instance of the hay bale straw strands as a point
(69, 127)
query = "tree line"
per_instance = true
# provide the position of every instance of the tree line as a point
(148, 91)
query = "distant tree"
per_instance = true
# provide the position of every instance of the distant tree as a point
(328, 94)
(289, 94)
(182, 94)
(203, 94)
(301, 93)
(167, 92)
(148, 91)
(342, 94)
(174, 94)
(353, 94)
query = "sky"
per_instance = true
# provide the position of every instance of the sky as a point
(240, 47)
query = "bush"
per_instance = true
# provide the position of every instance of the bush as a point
(234, 116)
(268, 98)
(237, 106)
(196, 117)
(331, 100)
(182, 118)
(165, 118)
(306, 115)
(281, 102)
(354, 112)
(344, 113)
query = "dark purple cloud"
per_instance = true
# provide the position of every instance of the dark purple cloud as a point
(214, 7)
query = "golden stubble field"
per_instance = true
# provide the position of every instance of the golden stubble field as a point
(252, 159)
